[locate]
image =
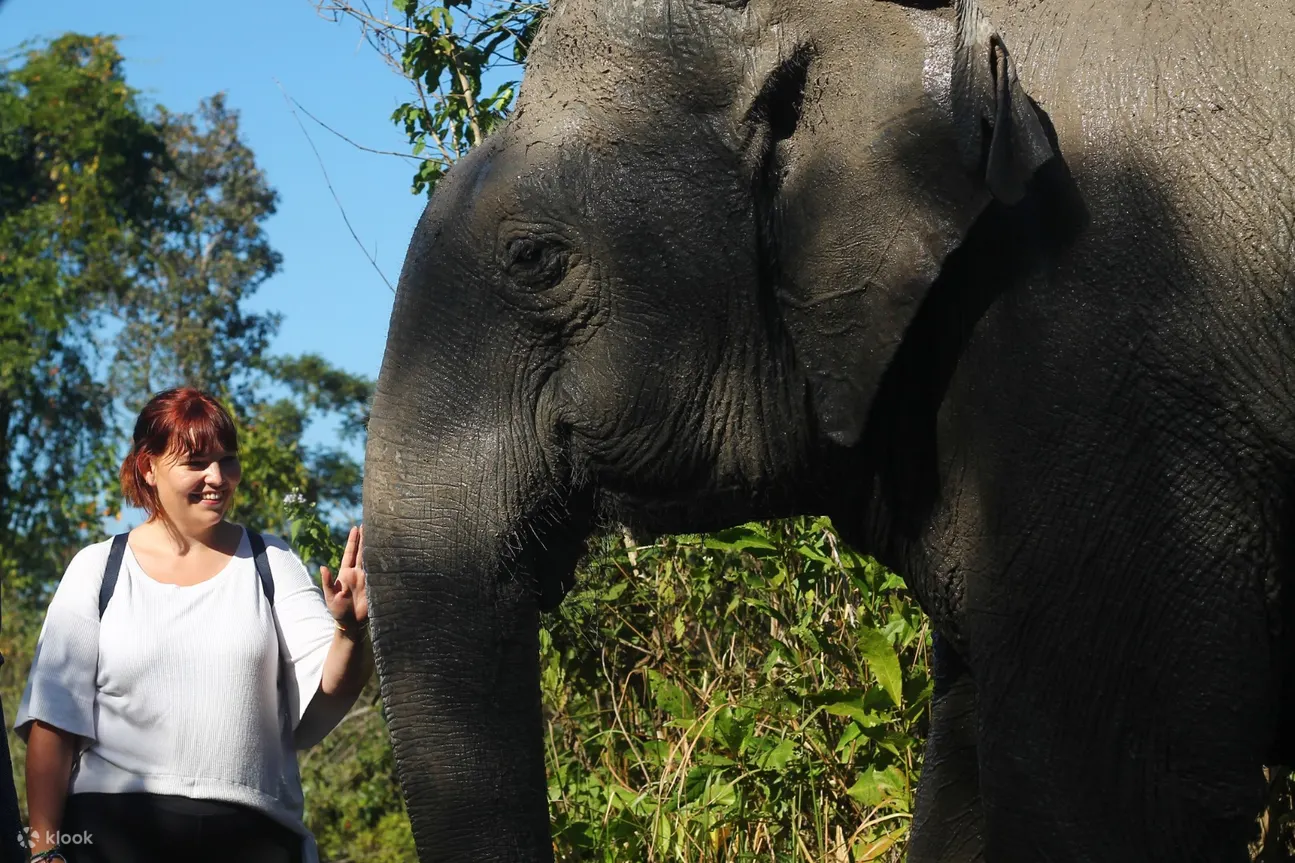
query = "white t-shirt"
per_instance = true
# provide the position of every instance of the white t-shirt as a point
(176, 690)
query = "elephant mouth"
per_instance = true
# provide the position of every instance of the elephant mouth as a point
(554, 540)
(698, 512)
(550, 542)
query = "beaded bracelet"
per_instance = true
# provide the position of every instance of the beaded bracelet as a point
(46, 856)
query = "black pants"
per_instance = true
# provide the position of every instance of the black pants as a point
(155, 828)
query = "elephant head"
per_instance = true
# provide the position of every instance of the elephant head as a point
(665, 294)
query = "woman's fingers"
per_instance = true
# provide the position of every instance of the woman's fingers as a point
(351, 554)
(335, 589)
(350, 575)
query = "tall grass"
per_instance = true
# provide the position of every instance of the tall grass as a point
(756, 694)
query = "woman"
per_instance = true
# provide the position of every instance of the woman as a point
(162, 719)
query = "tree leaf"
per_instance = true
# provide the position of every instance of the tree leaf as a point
(884, 663)
(741, 538)
(881, 787)
(670, 698)
(777, 757)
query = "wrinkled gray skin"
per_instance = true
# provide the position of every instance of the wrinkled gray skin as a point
(738, 259)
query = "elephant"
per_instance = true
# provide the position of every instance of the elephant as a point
(1021, 322)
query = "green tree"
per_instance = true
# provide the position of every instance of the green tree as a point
(183, 316)
(122, 217)
(279, 464)
(79, 161)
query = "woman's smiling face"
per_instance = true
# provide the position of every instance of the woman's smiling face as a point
(195, 489)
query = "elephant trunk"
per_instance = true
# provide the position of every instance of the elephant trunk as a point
(455, 628)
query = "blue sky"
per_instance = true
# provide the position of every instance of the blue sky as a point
(178, 52)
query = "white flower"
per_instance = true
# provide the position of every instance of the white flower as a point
(294, 497)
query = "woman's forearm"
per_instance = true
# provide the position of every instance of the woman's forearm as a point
(346, 669)
(347, 666)
(50, 753)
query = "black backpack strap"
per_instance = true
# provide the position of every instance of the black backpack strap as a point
(262, 564)
(267, 587)
(110, 572)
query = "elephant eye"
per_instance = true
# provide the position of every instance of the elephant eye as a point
(534, 262)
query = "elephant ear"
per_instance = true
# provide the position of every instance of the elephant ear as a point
(872, 181)
(986, 94)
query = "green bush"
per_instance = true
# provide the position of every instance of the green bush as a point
(353, 803)
(751, 694)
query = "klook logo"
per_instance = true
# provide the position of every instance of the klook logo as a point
(27, 837)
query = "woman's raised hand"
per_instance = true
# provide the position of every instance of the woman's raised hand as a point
(346, 595)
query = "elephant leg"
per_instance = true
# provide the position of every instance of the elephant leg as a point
(947, 824)
(1098, 747)
(1063, 810)
(1116, 533)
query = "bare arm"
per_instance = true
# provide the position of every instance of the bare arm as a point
(350, 659)
(346, 669)
(50, 753)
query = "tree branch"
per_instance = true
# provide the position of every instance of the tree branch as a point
(366, 19)
(473, 120)
(331, 190)
(357, 146)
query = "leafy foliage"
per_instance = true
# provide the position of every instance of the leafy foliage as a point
(130, 240)
(280, 468)
(312, 538)
(752, 694)
(182, 318)
(78, 168)
(445, 51)
(353, 803)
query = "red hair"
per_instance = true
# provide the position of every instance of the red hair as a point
(181, 420)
